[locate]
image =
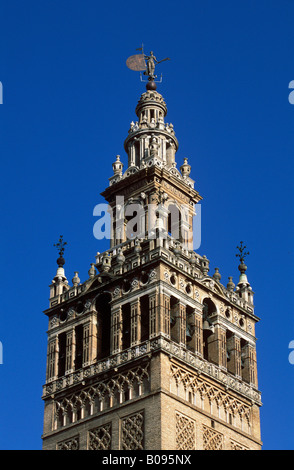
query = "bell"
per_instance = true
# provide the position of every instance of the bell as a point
(188, 334)
(206, 325)
(172, 321)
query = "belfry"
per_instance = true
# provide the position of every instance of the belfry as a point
(151, 352)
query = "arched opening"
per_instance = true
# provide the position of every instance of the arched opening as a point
(126, 326)
(174, 307)
(79, 307)
(137, 153)
(190, 328)
(59, 417)
(62, 354)
(230, 352)
(134, 220)
(79, 347)
(174, 222)
(63, 314)
(144, 307)
(102, 305)
(170, 153)
(209, 309)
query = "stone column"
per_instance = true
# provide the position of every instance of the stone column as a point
(86, 343)
(185, 235)
(195, 322)
(153, 314)
(166, 314)
(182, 324)
(52, 358)
(179, 328)
(141, 156)
(116, 329)
(93, 340)
(152, 208)
(131, 154)
(217, 350)
(70, 351)
(135, 322)
(234, 349)
(249, 372)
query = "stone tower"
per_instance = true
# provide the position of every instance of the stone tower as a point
(151, 352)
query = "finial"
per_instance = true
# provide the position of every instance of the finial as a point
(120, 257)
(217, 275)
(230, 285)
(137, 247)
(60, 245)
(185, 169)
(117, 166)
(76, 280)
(92, 271)
(241, 255)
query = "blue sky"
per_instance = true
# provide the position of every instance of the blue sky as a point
(68, 100)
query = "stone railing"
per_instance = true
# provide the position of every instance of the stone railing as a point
(143, 349)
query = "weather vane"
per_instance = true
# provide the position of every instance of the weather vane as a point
(60, 245)
(242, 253)
(146, 63)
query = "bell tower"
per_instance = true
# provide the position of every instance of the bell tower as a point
(162, 196)
(151, 351)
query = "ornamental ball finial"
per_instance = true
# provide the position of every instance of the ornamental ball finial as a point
(60, 245)
(151, 85)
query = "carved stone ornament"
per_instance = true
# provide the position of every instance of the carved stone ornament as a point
(53, 321)
(88, 304)
(135, 283)
(116, 292)
(70, 313)
(152, 275)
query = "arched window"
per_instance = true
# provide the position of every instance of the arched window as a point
(62, 354)
(209, 309)
(173, 318)
(144, 306)
(174, 222)
(104, 321)
(230, 351)
(134, 220)
(126, 326)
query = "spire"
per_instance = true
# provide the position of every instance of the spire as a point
(151, 142)
(60, 245)
(60, 261)
(242, 266)
(243, 286)
(60, 282)
(151, 147)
